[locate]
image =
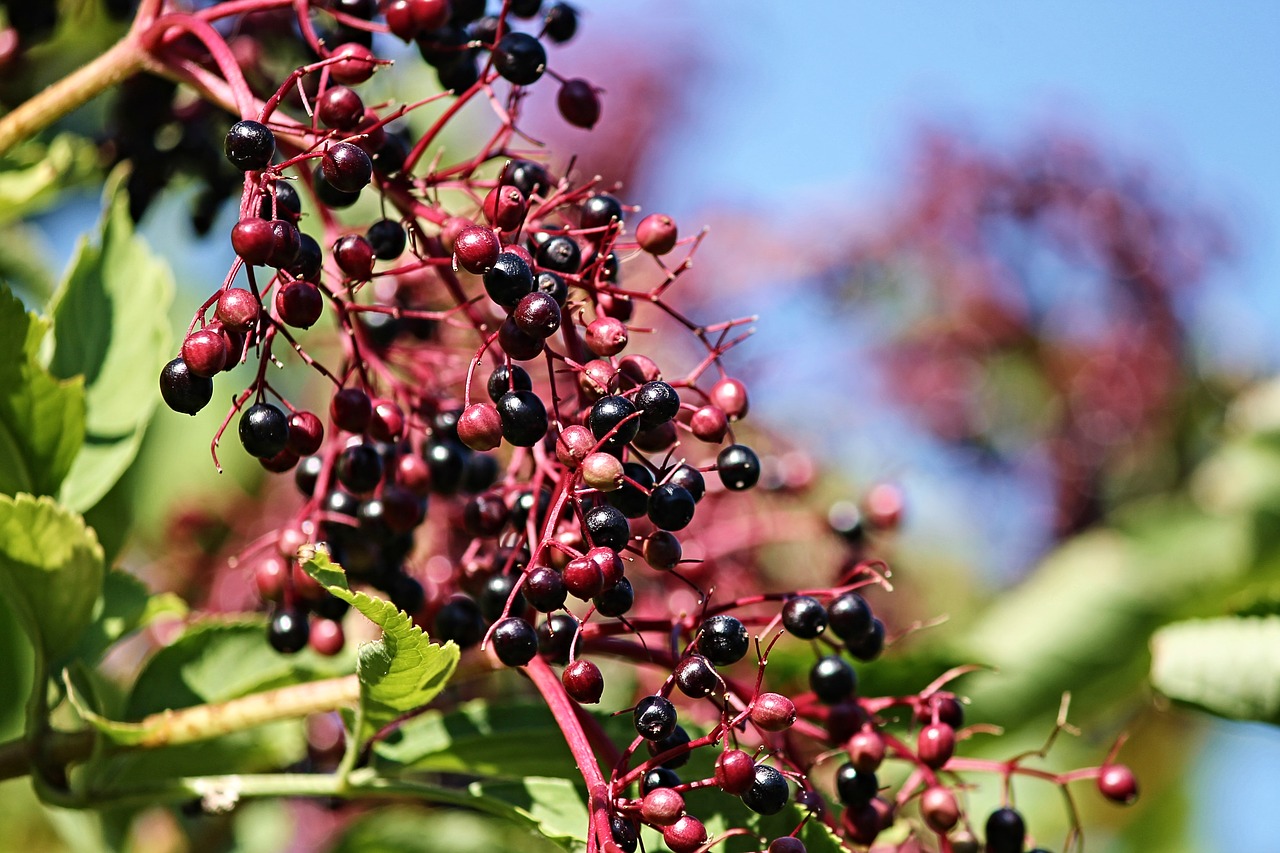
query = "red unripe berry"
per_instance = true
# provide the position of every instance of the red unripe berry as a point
(583, 578)
(340, 107)
(351, 409)
(936, 744)
(354, 256)
(639, 369)
(865, 823)
(579, 103)
(280, 462)
(346, 167)
(252, 240)
(205, 352)
(787, 844)
(354, 66)
(413, 473)
(476, 249)
(401, 509)
(537, 314)
(943, 707)
(520, 252)
(327, 637)
(615, 306)
(609, 563)
(306, 433)
(939, 808)
(574, 445)
(657, 234)
(662, 806)
(307, 587)
(685, 835)
(1118, 784)
(602, 471)
(884, 506)
(735, 771)
(286, 243)
(480, 426)
(710, 424)
(731, 396)
(598, 378)
(408, 18)
(606, 336)
(299, 304)
(773, 712)
(237, 310)
(866, 751)
(583, 682)
(269, 576)
(505, 207)
(373, 134)
(386, 421)
(235, 345)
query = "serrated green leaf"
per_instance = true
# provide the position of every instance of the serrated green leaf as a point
(51, 571)
(553, 806)
(401, 672)
(34, 174)
(1228, 666)
(42, 420)
(111, 327)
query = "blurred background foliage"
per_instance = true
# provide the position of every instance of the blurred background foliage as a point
(1024, 313)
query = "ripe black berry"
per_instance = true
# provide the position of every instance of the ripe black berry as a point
(406, 593)
(657, 778)
(560, 254)
(671, 507)
(528, 177)
(249, 145)
(524, 418)
(850, 617)
(520, 58)
(544, 588)
(625, 833)
(723, 639)
(561, 22)
(509, 280)
(347, 167)
(387, 238)
(1006, 831)
(832, 679)
(330, 195)
(288, 631)
(630, 500)
(871, 644)
(768, 792)
(507, 377)
(612, 412)
(616, 600)
(607, 527)
(538, 315)
(599, 210)
(554, 286)
(674, 740)
(579, 103)
(555, 637)
(658, 403)
(460, 621)
(496, 593)
(514, 641)
(182, 390)
(690, 478)
(855, 789)
(359, 468)
(308, 262)
(655, 718)
(696, 677)
(307, 474)
(264, 430)
(805, 617)
(739, 467)
(281, 202)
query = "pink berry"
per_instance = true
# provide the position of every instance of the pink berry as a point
(299, 304)
(710, 424)
(657, 234)
(505, 207)
(685, 835)
(476, 249)
(574, 445)
(866, 751)
(939, 808)
(602, 471)
(936, 744)
(252, 240)
(1118, 784)
(205, 352)
(735, 771)
(340, 107)
(662, 807)
(327, 637)
(480, 426)
(606, 336)
(237, 310)
(579, 103)
(773, 712)
(354, 65)
(386, 421)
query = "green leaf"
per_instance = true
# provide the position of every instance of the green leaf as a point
(404, 830)
(111, 327)
(125, 606)
(34, 174)
(401, 672)
(16, 670)
(553, 806)
(42, 420)
(1228, 666)
(51, 570)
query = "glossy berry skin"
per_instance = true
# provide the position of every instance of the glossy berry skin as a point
(655, 718)
(606, 336)
(340, 107)
(507, 377)
(685, 835)
(346, 167)
(738, 467)
(657, 778)
(787, 844)
(523, 416)
(237, 310)
(607, 527)
(288, 632)
(553, 285)
(600, 210)
(709, 424)
(538, 315)
(658, 403)
(804, 617)
(514, 641)
(264, 430)
(579, 103)
(477, 249)
(630, 498)
(359, 469)
(354, 65)
(309, 261)
(509, 280)
(730, 396)
(560, 254)
(832, 679)
(625, 833)
(871, 644)
(662, 550)
(768, 792)
(696, 677)
(545, 590)
(182, 390)
(616, 600)
(387, 238)
(519, 58)
(354, 256)
(460, 621)
(850, 617)
(657, 234)
(205, 352)
(735, 771)
(351, 409)
(855, 788)
(560, 22)
(249, 145)
(613, 414)
(480, 427)
(299, 304)
(556, 636)
(326, 637)
(939, 808)
(670, 507)
(252, 240)
(723, 640)
(867, 750)
(505, 207)
(676, 740)
(1118, 784)
(1006, 831)
(773, 712)
(935, 745)
(662, 806)
(583, 682)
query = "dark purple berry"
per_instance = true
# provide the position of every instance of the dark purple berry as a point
(1006, 831)
(738, 466)
(288, 631)
(560, 254)
(545, 590)
(520, 58)
(658, 403)
(696, 677)
(599, 210)
(607, 527)
(579, 103)
(616, 600)
(537, 315)
(768, 792)
(249, 145)
(509, 280)
(560, 23)
(832, 679)
(387, 238)
(610, 414)
(359, 469)
(805, 617)
(723, 640)
(655, 718)
(555, 637)
(870, 645)
(507, 377)
(850, 617)
(460, 621)
(583, 681)
(346, 167)
(524, 418)
(515, 641)
(351, 409)
(671, 507)
(855, 788)
(264, 430)
(675, 740)
(182, 390)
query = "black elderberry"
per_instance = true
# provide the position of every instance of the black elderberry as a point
(561, 22)
(555, 637)
(855, 788)
(406, 593)
(630, 500)
(387, 238)
(560, 254)
(671, 507)
(341, 503)
(330, 195)
(658, 403)
(1006, 831)
(525, 8)
(524, 418)
(330, 607)
(509, 281)
(739, 467)
(870, 645)
(606, 526)
(677, 738)
(359, 468)
(465, 11)
(496, 593)
(526, 504)
(307, 264)
(520, 58)
(658, 777)
(249, 145)
(696, 677)
(655, 718)
(460, 72)
(264, 430)
(616, 600)
(625, 833)
(286, 205)
(832, 680)
(182, 390)
(479, 472)
(609, 413)
(850, 617)
(446, 461)
(507, 377)
(691, 479)
(723, 640)
(768, 792)
(514, 641)
(288, 631)
(804, 616)
(545, 590)
(554, 286)
(460, 621)
(599, 210)
(528, 177)
(307, 474)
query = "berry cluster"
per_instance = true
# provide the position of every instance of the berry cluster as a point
(489, 321)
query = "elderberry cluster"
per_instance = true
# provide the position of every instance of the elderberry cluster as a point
(503, 458)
